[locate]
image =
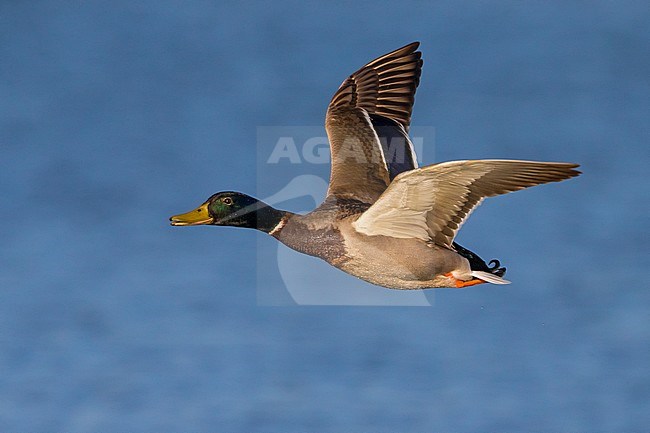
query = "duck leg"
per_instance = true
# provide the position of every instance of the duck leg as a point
(460, 284)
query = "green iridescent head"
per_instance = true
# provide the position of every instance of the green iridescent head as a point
(231, 208)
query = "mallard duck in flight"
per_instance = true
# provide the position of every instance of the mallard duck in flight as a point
(385, 220)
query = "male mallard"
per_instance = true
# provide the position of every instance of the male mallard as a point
(385, 220)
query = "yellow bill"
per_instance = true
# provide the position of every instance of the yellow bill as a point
(198, 216)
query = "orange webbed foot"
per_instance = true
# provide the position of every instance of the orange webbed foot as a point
(462, 284)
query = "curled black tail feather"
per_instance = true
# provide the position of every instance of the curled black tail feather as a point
(496, 268)
(478, 264)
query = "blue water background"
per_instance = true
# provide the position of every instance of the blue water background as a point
(115, 115)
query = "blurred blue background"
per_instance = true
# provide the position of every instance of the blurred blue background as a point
(115, 115)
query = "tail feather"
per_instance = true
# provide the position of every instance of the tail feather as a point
(478, 264)
(489, 277)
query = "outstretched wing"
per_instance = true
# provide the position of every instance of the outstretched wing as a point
(378, 98)
(431, 203)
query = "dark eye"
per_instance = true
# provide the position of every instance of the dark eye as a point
(227, 200)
